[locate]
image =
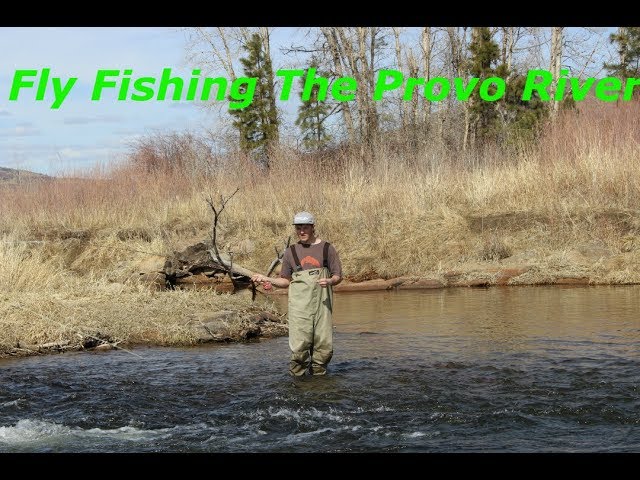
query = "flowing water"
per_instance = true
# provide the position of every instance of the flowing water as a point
(517, 369)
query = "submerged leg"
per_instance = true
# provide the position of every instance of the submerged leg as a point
(300, 338)
(322, 339)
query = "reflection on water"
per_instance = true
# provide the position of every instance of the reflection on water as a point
(525, 369)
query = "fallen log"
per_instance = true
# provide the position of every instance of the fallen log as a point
(229, 265)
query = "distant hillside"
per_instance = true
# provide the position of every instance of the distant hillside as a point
(11, 176)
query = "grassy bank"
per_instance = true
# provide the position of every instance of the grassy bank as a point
(565, 206)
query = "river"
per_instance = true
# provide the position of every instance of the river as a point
(513, 369)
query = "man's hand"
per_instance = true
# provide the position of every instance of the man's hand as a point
(262, 280)
(268, 282)
(325, 282)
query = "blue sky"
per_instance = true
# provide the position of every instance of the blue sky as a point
(83, 133)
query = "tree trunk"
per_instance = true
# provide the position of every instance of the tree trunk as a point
(427, 47)
(366, 73)
(331, 37)
(413, 71)
(403, 110)
(352, 61)
(273, 109)
(467, 127)
(556, 63)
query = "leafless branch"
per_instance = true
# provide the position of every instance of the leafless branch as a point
(279, 256)
(228, 268)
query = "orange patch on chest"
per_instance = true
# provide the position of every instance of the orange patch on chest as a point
(308, 260)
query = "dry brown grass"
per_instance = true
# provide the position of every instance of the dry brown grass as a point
(389, 215)
(112, 311)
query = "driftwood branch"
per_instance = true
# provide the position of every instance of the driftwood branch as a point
(279, 256)
(216, 218)
(227, 266)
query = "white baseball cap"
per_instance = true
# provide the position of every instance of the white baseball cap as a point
(303, 218)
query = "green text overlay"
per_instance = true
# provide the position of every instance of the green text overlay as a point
(123, 85)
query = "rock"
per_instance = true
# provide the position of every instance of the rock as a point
(102, 348)
(152, 264)
(229, 326)
(213, 331)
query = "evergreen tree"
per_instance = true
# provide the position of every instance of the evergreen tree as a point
(484, 54)
(509, 121)
(312, 114)
(520, 119)
(628, 40)
(258, 122)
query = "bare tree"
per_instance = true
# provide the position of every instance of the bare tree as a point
(458, 57)
(426, 41)
(403, 110)
(214, 48)
(555, 63)
(509, 38)
(583, 50)
(411, 110)
(333, 43)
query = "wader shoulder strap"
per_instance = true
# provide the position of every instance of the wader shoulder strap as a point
(295, 258)
(325, 255)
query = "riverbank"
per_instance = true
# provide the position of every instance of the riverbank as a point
(119, 318)
(116, 317)
(88, 252)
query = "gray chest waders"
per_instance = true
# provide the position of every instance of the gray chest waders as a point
(310, 319)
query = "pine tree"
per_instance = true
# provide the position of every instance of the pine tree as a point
(312, 114)
(484, 54)
(520, 118)
(509, 121)
(258, 122)
(628, 40)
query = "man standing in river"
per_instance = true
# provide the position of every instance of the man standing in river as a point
(310, 268)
